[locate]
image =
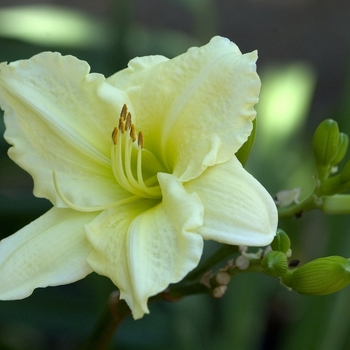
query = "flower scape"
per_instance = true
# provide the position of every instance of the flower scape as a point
(140, 168)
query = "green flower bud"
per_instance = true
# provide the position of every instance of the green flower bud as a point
(274, 264)
(281, 242)
(345, 174)
(243, 153)
(342, 148)
(320, 277)
(325, 142)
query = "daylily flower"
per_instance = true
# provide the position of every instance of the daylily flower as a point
(140, 168)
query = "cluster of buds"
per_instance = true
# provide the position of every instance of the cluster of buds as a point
(318, 277)
(329, 147)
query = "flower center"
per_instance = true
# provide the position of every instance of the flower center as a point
(126, 157)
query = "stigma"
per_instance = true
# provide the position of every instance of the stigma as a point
(126, 159)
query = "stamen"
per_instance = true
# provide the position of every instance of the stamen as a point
(115, 135)
(121, 152)
(140, 139)
(118, 157)
(128, 155)
(124, 111)
(121, 125)
(155, 190)
(91, 209)
(128, 122)
(133, 133)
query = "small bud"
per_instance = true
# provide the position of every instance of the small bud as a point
(342, 149)
(320, 277)
(219, 291)
(222, 278)
(281, 242)
(275, 264)
(242, 262)
(325, 142)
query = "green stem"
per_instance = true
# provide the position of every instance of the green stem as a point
(338, 204)
(223, 253)
(254, 266)
(297, 209)
(112, 317)
(118, 310)
(331, 185)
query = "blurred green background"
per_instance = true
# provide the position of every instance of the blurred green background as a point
(304, 66)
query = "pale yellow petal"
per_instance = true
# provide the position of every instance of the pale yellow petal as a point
(144, 253)
(238, 209)
(195, 110)
(136, 73)
(164, 245)
(50, 251)
(108, 235)
(60, 118)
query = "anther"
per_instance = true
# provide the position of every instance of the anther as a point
(121, 125)
(128, 121)
(124, 112)
(122, 158)
(115, 135)
(133, 133)
(140, 139)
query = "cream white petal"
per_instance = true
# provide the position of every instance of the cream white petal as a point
(60, 118)
(136, 73)
(108, 235)
(158, 247)
(195, 110)
(238, 209)
(50, 251)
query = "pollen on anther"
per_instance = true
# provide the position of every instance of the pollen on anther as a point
(140, 139)
(128, 121)
(133, 133)
(124, 111)
(121, 125)
(115, 135)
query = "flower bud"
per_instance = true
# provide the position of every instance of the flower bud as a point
(325, 142)
(242, 262)
(320, 277)
(345, 174)
(275, 263)
(342, 148)
(281, 242)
